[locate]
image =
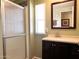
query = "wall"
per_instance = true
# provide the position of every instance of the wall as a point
(32, 29)
(63, 31)
(68, 15)
(1, 41)
(48, 25)
(38, 37)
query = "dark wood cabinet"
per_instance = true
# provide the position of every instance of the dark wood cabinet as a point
(75, 51)
(46, 50)
(59, 50)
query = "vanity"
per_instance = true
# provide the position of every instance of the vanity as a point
(60, 48)
(63, 16)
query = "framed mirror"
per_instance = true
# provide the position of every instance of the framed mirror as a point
(63, 15)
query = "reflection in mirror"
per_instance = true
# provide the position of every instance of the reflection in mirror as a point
(63, 14)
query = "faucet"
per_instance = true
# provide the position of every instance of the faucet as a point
(57, 34)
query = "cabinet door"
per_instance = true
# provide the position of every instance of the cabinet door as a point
(56, 50)
(75, 52)
(47, 50)
(62, 51)
(52, 49)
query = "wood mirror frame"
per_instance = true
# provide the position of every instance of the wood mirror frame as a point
(54, 22)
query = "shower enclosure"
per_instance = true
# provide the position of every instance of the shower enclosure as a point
(20, 32)
(14, 30)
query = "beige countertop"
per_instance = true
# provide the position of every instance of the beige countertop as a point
(68, 39)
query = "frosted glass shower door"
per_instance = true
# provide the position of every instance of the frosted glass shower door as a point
(14, 33)
(14, 19)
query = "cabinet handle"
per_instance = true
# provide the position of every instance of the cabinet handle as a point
(78, 50)
(53, 44)
(78, 44)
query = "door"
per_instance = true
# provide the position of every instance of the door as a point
(14, 39)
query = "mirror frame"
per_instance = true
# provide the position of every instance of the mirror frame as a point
(73, 15)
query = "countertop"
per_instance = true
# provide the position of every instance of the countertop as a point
(69, 39)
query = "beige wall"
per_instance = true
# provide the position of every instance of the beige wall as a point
(61, 31)
(48, 19)
(38, 37)
(38, 40)
(1, 41)
(31, 24)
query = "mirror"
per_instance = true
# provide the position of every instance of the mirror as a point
(63, 15)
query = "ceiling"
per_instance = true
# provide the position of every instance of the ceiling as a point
(20, 2)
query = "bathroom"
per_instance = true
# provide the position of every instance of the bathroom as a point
(31, 42)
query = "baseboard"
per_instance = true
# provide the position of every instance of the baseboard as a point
(26, 58)
(36, 57)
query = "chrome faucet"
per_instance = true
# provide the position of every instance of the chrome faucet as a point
(57, 34)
